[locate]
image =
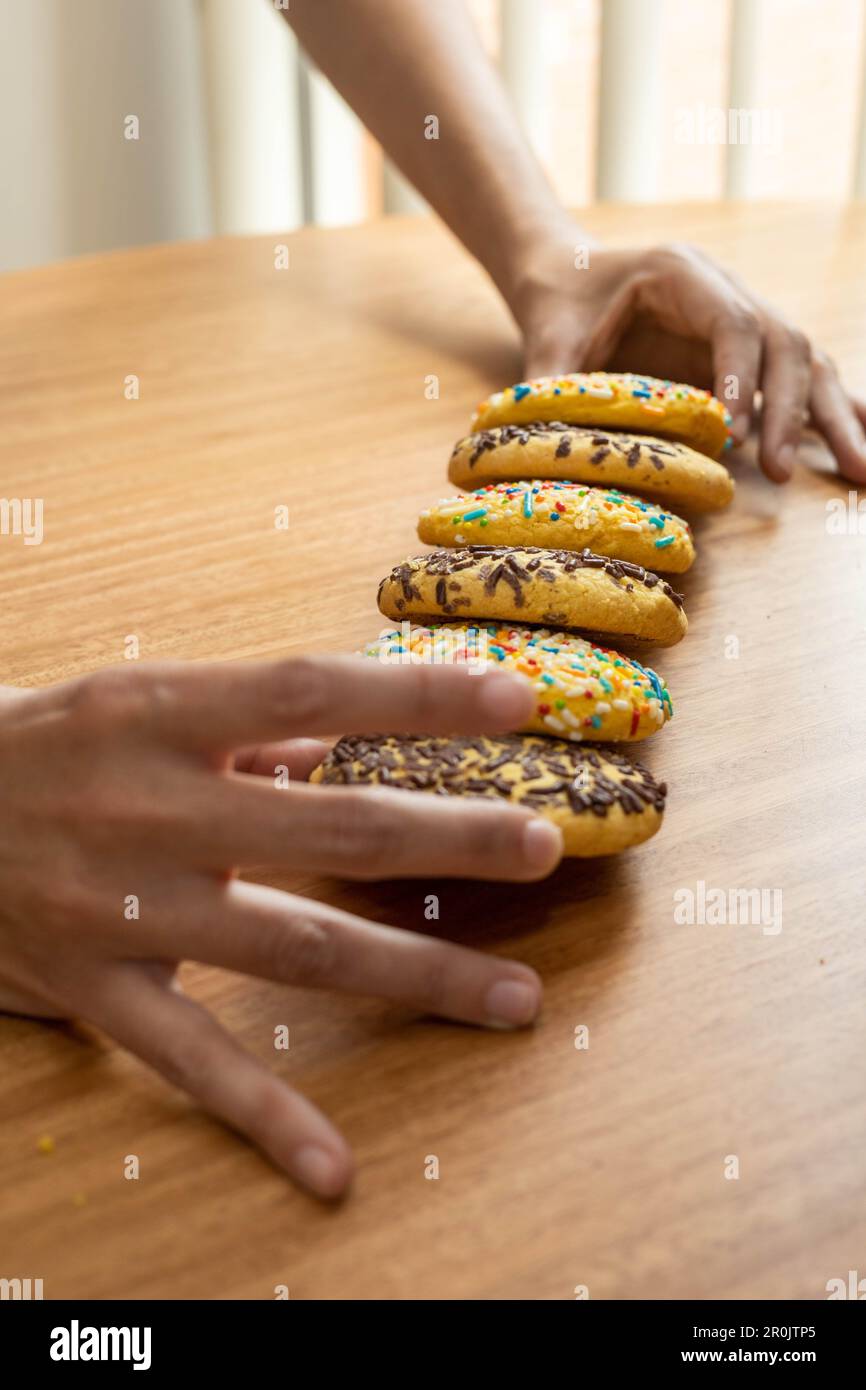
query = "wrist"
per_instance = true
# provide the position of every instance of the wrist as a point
(541, 258)
(525, 240)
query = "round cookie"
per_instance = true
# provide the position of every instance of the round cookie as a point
(662, 469)
(602, 802)
(555, 588)
(583, 692)
(615, 400)
(560, 514)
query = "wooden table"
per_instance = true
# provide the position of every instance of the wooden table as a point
(560, 1167)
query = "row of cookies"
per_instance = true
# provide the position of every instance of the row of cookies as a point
(541, 539)
(539, 543)
(554, 457)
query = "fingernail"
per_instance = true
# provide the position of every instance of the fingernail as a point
(785, 459)
(511, 1004)
(317, 1170)
(508, 700)
(542, 845)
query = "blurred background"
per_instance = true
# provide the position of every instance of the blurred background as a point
(622, 99)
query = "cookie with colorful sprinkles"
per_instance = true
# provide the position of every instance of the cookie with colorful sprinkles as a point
(584, 692)
(525, 584)
(614, 400)
(571, 516)
(602, 802)
(662, 469)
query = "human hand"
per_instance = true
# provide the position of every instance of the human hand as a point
(141, 783)
(672, 312)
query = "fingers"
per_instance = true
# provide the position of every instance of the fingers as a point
(260, 931)
(840, 420)
(368, 832)
(181, 1041)
(785, 387)
(298, 757)
(612, 323)
(227, 705)
(690, 297)
(736, 348)
(858, 406)
(711, 307)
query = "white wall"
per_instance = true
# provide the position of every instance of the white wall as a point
(70, 71)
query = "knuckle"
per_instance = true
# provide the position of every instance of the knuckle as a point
(435, 977)
(262, 1108)
(428, 692)
(110, 697)
(302, 688)
(120, 814)
(742, 319)
(65, 900)
(491, 835)
(305, 952)
(823, 363)
(187, 1062)
(363, 832)
(785, 337)
(672, 255)
(799, 344)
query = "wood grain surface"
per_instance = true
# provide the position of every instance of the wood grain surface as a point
(559, 1167)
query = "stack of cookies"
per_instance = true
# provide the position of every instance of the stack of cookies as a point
(552, 549)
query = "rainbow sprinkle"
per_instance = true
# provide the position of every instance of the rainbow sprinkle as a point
(586, 509)
(583, 691)
(653, 395)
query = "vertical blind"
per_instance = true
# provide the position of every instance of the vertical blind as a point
(621, 99)
(630, 100)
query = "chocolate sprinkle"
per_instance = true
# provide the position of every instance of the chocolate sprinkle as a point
(628, 445)
(497, 564)
(446, 766)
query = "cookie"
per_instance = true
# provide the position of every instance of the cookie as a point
(602, 802)
(583, 692)
(671, 473)
(555, 588)
(567, 515)
(614, 400)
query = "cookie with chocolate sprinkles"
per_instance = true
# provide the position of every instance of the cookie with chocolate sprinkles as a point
(526, 584)
(602, 802)
(662, 469)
